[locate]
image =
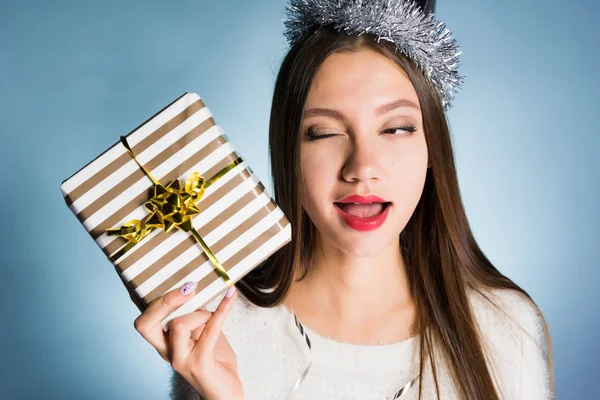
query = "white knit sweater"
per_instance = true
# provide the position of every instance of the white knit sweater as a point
(271, 355)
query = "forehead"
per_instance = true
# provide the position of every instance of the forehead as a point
(360, 77)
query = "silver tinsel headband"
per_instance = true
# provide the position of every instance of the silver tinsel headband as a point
(427, 42)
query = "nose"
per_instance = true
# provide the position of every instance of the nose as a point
(363, 161)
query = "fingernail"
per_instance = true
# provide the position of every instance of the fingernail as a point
(188, 288)
(230, 291)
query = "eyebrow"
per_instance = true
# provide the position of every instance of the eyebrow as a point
(326, 112)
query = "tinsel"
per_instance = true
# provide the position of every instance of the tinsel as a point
(292, 394)
(423, 39)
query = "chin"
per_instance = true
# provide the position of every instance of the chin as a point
(356, 243)
(359, 245)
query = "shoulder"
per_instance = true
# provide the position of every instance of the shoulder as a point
(506, 310)
(511, 329)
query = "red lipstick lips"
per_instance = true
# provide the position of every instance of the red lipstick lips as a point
(357, 198)
(359, 223)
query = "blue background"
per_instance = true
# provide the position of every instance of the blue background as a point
(75, 75)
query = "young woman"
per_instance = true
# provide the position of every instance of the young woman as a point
(391, 298)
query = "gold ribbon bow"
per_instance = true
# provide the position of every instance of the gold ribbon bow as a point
(171, 207)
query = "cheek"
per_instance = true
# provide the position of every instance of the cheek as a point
(318, 177)
(408, 179)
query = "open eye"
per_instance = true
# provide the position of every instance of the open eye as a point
(408, 128)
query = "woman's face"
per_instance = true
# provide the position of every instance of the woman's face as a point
(367, 107)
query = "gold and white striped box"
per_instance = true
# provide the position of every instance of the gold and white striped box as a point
(238, 219)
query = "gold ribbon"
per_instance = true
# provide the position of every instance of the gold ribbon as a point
(171, 207)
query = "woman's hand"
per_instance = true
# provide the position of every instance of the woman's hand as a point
(194, 345)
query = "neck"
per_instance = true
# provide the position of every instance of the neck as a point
(343, 290)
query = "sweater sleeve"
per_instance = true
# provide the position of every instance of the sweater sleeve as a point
(515, 345)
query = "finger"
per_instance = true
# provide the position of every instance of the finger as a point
(162, 307)
(148, 324)
(197, 332)
(181, 334)
(212, 331)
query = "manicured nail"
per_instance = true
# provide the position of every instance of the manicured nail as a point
(230, 291)
(188, 288)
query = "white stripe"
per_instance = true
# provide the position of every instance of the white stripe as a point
(136, 137)
(233, 248)
(103, 240)
(238, 271)
(228, 226)
(143, 184)
(199, 221)
(144, 157)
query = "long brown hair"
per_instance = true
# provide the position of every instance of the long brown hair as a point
(440, 253)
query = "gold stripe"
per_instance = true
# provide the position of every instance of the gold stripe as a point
(99, 176)
(230, 263)
(231, 165)
(175, 252)
(206, 202)
(138, 173)
(139, 200)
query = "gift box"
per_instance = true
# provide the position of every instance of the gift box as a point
(172, 202)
